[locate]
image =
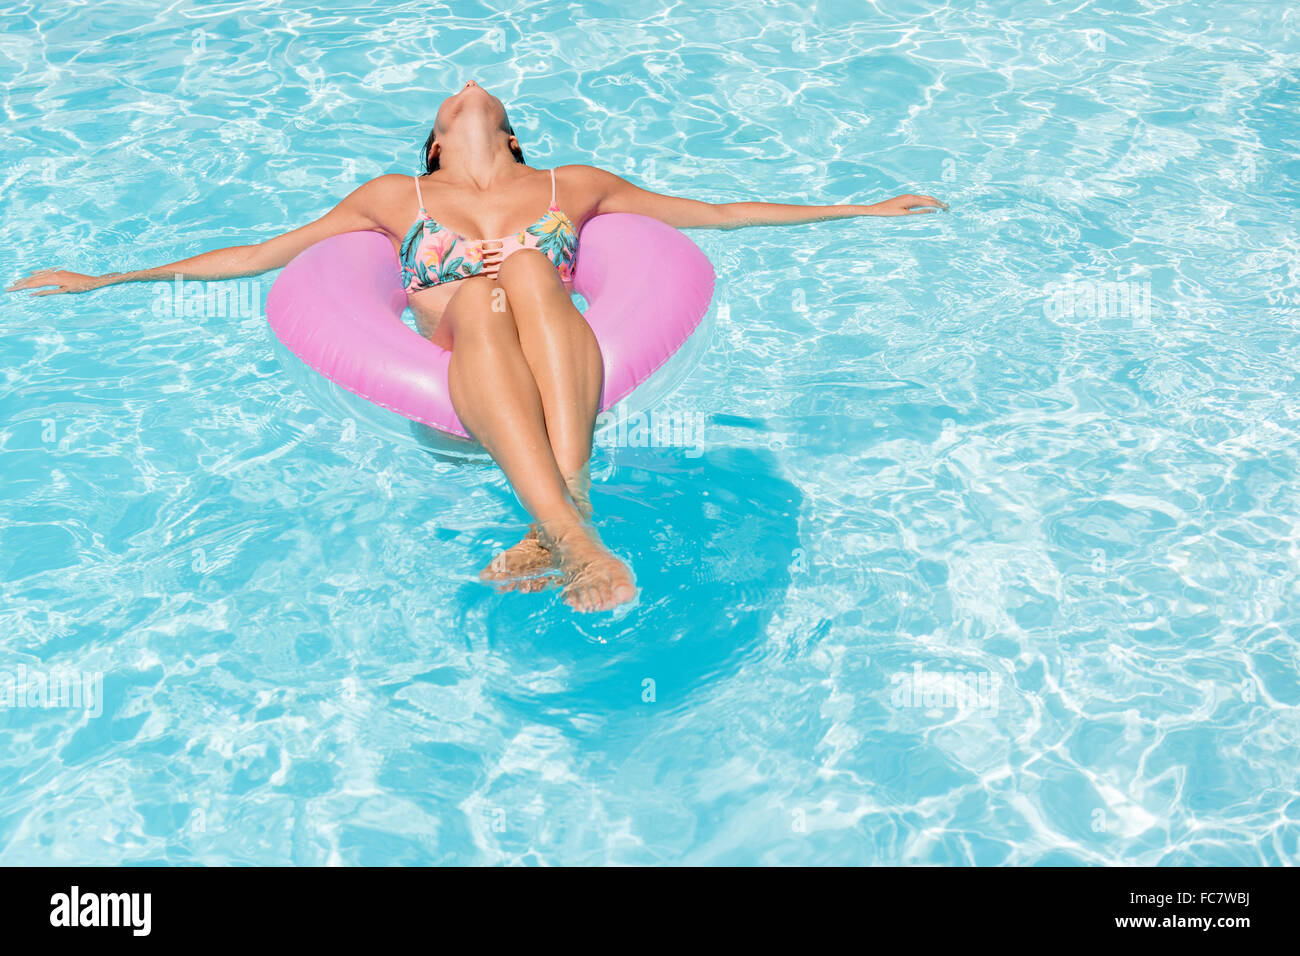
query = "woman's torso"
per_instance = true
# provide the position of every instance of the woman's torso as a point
(506, 211)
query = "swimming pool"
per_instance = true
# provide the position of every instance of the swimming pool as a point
(975, 540)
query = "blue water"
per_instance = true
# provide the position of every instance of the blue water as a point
(987, 553)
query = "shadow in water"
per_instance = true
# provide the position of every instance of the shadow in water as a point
(711, 541)
(445, 446)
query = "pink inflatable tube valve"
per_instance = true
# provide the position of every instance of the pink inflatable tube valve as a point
(338, 307)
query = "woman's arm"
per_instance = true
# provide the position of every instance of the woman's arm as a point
(618, 195)
(354, 213)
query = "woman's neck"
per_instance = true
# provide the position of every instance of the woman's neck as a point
(478, 161)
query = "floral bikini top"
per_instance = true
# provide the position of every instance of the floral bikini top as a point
(432, 254)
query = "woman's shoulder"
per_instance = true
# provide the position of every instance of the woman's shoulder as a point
(388, 187)
(580, 170)
(389, 181)
(383, 199)
(582, 176)
(384, 187)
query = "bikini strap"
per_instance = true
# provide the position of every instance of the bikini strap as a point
(552, 187)
(417, 192)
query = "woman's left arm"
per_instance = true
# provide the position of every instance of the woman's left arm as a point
(615, 194)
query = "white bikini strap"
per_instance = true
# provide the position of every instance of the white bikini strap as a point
(552, 186)
(417, 192)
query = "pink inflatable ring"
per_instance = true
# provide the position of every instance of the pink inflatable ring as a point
(338, 307)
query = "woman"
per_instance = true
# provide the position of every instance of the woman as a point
(525, 373)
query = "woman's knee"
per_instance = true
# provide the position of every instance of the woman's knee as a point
(481, 305)
(528, 270)
(538, 298)
(475, 294)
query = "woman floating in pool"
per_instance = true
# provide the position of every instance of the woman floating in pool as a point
(525, 372)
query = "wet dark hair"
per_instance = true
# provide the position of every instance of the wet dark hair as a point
(431, 164)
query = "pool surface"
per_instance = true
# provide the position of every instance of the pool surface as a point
(978, 543)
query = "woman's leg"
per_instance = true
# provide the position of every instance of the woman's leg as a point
(493, 393)
(562, 352)
(565, 359)
(497, 397)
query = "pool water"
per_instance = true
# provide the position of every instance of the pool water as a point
(981, 549)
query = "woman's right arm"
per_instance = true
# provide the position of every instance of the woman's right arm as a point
(356, 213)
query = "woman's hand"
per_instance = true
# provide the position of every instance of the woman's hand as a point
(62, 282)
(908, 205)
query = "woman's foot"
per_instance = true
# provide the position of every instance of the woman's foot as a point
(594, 580)
(525, 566)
